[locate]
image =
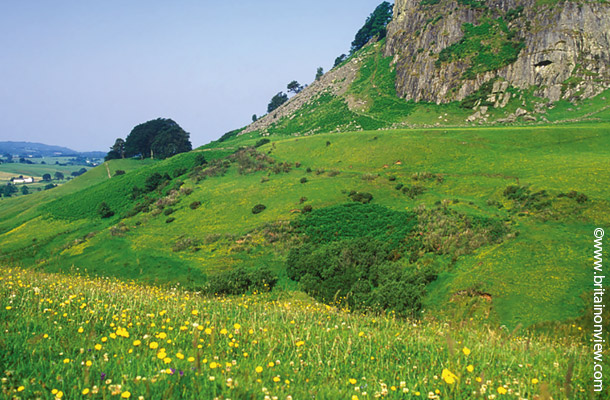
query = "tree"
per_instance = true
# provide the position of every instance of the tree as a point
(277, 101)
(319, 73)
(46, 177)
(340, 59)
(9, 189)
(375, 25)
(25, 190)
(59, 176)
(161, 138)
(116, 151)
(254, 118)
(294, 87)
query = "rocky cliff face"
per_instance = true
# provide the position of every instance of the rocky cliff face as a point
(445, 50)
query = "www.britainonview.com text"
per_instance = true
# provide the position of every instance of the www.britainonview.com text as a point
(598, 308)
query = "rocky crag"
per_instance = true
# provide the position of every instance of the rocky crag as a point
(446, 50)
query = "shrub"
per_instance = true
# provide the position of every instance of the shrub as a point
(369, 177)
(195, 205)
(308, 208)
(357, 272)
(399, 186)
(241, 280)
(119, 172)
(391, 178)
(104, 210)
(262, 142)
(170, 220)
(359, 197)
(308, 170)
(258, 208)
(413, 191)
(303, 180)
(302, 200)
(178, 172)
(333, 173)
(168, 211)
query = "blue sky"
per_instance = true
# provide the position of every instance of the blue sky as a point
(82, 73)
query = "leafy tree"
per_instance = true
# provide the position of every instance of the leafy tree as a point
(340, 59)
(25, 190)
(59, 176)
(254, 118)
(46, 177)
(49, 186)
(170, 142)
(8, 157)
(375, 25)
(160, 137)
(277, 101)
(116, 151)
(9, 189)
(294, 87)
(319, 73)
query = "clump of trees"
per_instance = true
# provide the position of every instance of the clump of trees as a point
(375, 26)
(158, 138)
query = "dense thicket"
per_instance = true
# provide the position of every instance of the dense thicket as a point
(370, 257)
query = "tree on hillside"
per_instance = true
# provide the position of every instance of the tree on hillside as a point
(319, 73)
(25, 190)
(277, 101)
(254, 118)
(375, 25)
(294, 87)
(46, 177)
(59, 176)
(116, 151)
(160, 138)
(340, 59)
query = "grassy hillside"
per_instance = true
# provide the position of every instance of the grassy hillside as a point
(102, 338)
(535, 274)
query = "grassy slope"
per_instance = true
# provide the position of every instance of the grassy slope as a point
(172, 344)
(536, 277)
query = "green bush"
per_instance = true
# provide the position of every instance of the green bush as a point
(168, 211)
(170, 220)
(303, 180)
(104, 210)
(241, 280)
(119, 172)
(357, 272)
(262, 142)
(258, 208)
(361, 197)
(195, 205)
(413, 191)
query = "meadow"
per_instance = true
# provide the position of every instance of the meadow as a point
(70, 336)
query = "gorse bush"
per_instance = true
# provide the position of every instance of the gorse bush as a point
(259, 208)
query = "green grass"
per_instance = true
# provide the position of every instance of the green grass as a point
(102, 338)
(477, 165)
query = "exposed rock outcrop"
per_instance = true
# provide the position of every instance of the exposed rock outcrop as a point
(564, 54)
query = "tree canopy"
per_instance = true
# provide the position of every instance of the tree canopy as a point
(277, 101)
(158, 138)
(294, 87)
(375, 25)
